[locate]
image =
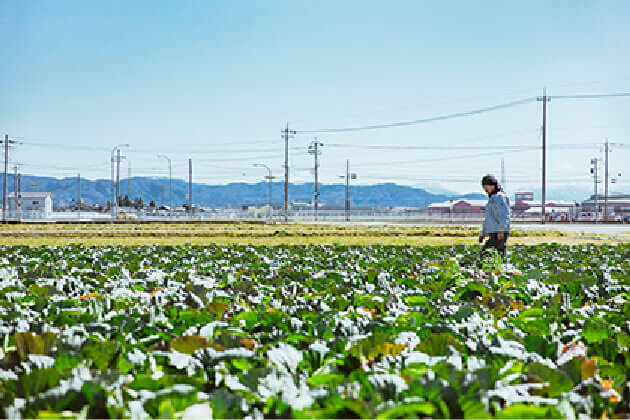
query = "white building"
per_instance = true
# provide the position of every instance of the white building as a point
(31, 205)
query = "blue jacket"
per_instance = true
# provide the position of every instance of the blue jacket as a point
(497, 214)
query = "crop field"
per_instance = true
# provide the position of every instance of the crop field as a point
(262, 234)
(330, 331)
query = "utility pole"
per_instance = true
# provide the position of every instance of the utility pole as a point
(269, 177)
(114, 202)
(117, 180)
(347, 190)
(79, 195)
(594, 172)
(190, 209)
(348, 176)
(19, 188)
(15, 189)
(129, 179)
(286, 132)
(544, 100)
(4, 184)
(313, 149)
(6, 168)
(606, 180)
(113, 182)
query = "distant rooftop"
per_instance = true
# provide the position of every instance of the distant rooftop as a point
(32, 194)
(479, 203)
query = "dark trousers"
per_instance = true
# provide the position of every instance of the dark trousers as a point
(494, 242)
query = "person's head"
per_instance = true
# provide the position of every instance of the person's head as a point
(490, 184)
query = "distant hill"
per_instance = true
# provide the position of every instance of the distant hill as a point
(235, 194)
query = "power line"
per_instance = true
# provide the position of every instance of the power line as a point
(390, 147)
(423, 120)
(462, 114)
(591, 96)
(448, 148)
(146, 151)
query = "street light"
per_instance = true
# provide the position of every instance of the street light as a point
(269, 177)
(170, 182)
(313, 150)
(348, 176)
(114, 202)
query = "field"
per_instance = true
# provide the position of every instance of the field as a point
(314, 331)
(262, 234)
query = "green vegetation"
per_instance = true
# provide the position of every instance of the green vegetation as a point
(314, 331)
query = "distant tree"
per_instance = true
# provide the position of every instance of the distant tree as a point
(124, 201)
(152, 203)
(109, 206)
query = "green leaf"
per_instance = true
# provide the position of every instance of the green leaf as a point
(66, 361)
(473, 408)
(250, 319)
(93, 393)
(189, 343)
(416, 300)
(217, 309)
(124, 365)
(463, 312)
(594, 334)
(531, 313)
(29, 343)
(472, 290)
(413, 410)
(559, 381)
(623, 339)
(528, 411)
(375, 346)
(330, 379)
(225, 404)
(437, 344)
(32, 383)
(538, 344)
(100, 353)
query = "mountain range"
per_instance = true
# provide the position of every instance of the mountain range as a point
(236, 194)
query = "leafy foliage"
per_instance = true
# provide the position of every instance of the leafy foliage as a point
(319, 332)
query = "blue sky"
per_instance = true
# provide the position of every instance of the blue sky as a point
(215, 81)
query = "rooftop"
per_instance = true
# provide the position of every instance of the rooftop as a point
(476, 203)
(32, 194)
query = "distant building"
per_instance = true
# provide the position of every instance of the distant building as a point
(524, 196)
(524, 206)
(31, 205)
(460, 207)
(618, 206)
(522, 201)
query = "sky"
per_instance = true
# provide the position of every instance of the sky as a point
(216, 81)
